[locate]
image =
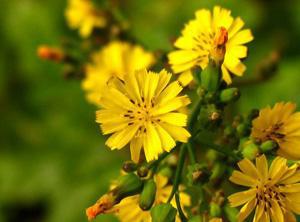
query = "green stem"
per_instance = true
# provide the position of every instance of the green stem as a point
(178, 172)
(180, 211)
(194, 115)
(220, 149)
(155, 163)
(183, 149)
(191, 152)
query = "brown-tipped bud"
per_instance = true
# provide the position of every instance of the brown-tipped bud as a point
(143, 171)
(129, 166)
(219, 45)
(105, 203)
(50, 53)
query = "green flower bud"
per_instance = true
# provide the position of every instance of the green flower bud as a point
(127, 185)
(218, 171)
(147, 196)
(211, 156)
(250, 150)
(231, 213)
(163, 213)
(211, 77)
(143, 171)
(254, 113)
(201, 92)
(197, 174)
(229, 95)
(268, 146)
(243, 130)
(237, 120)
(129, 166)
(167, 172)
(215, 210)
(229, 131)
(209, 116)
(196, 219)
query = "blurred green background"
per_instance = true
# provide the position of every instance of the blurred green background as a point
(53, 162)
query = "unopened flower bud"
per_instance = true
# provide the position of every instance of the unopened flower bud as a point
(243, 130)
(214, 210)
(49, 53)
(231, 213)
(167, 172)
(127, 185)
(147, 196)
(209, 117)
(254, 113)
(210, 77)
(196, 219)
(197, 174)
(163, 213)
(218, 49)
(143, 171)
(217, 171)
(105, 203)
(268, 146)
(129, 166)
(229, 95)
(250, 150)
(229, 131)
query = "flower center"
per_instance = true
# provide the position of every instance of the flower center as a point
(273, 132)
(268, 194)
(212, 44)
(142, 114)
(218, 48)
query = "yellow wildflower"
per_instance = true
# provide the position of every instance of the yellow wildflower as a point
(273, 191)
(216, 36)
(142, 110)
(82, 15)
(128, 209)
(282, 125)
(114, 60)
(216, 219)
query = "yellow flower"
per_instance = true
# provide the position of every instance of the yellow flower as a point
(128, 209)
(274, 191)
(114, 60)
(282, 125)
(82, 15)
(142, 110)
(216, 219)
(216, 36)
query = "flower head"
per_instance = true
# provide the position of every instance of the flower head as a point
(142, 110)
(282, 125)
(213, 36)
(50, 53)
(128, 209)
(273, 191)
(114, 60)
(82, 15)
(103, 205)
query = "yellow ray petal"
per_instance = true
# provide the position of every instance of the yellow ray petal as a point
(242, 197)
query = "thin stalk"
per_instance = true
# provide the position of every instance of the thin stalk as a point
(183, 149)
(191, 152)
(220, 149)
(180, 211)
(178, 172)
(155, 163)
